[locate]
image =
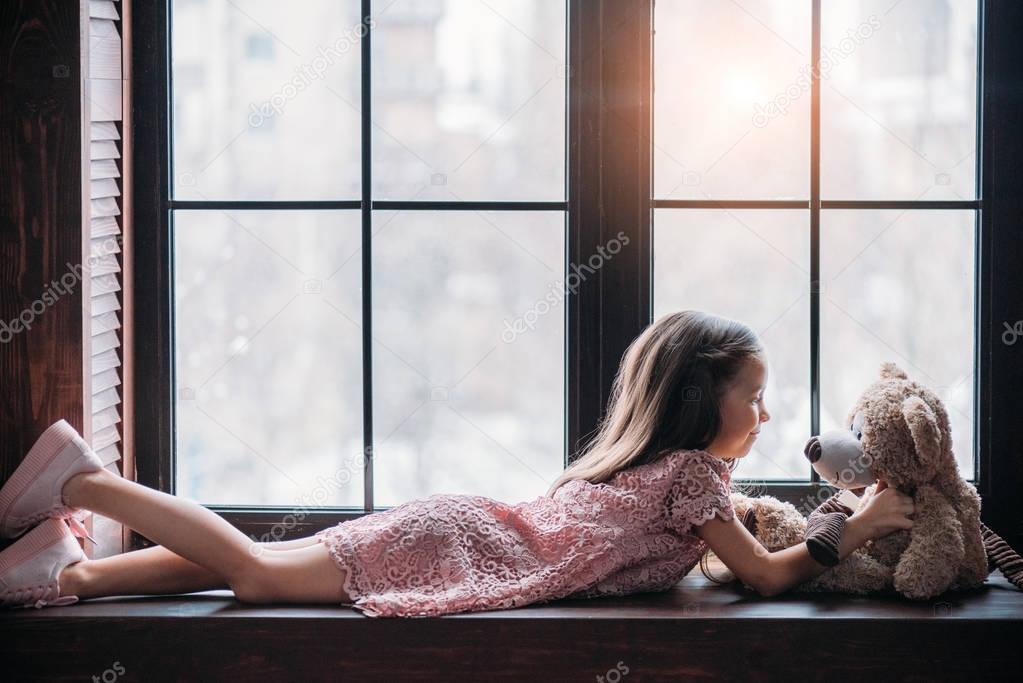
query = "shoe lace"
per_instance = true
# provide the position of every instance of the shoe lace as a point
(39, 596)
(75, 521)
(75, 518)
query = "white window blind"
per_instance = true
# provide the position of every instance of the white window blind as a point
(102, 281)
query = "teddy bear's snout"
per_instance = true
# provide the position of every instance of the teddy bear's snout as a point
(812, 449)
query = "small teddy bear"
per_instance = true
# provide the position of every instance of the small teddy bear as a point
(777, 525)
(898, 432)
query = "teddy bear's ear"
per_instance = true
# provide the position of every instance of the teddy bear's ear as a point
(892, 371)
(923, 425)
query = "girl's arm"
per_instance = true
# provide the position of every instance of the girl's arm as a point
(771, 573)
(879, 514)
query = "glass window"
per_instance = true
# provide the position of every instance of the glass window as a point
(763, 283)
(897, 280)
(899, 286)
(265, 124)
(471, 402)
(731, 99)
(268, 355)
(467, 95)
(468, 102)
(899, 99)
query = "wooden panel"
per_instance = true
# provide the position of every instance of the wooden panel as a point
(41, 369)
(694, 631)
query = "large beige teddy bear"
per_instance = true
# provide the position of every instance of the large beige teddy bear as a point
(898, 432)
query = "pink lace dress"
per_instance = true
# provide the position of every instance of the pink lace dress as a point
(451, 553)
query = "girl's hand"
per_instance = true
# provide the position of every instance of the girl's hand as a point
(884, 511)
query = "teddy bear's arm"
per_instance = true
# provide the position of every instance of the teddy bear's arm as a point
(930, 563)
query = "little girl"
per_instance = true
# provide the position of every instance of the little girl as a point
(635, 513)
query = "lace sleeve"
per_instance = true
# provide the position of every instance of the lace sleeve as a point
(700, 491)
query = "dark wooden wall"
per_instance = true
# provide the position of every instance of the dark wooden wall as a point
(40, 221)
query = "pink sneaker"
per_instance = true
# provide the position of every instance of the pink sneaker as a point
(30, 566)
(33, 492)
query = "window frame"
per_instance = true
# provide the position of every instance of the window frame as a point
(609, 117)
(785, 488)
(156, 465)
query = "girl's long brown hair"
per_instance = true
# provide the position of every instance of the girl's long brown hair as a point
(666, 394)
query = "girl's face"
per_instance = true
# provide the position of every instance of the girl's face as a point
(743, 411)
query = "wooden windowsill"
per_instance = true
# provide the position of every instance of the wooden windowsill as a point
(697, 627)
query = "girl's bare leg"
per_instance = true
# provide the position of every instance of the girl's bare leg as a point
(150, 571)
(200, 536)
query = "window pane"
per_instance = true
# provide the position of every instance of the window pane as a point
(468, 362)
(268, 357)
(266, 99)
(898, 99)
(886, 298)
(751, 266)
(732, 99)
(469, 100)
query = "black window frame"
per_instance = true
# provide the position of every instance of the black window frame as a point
(609, 190)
